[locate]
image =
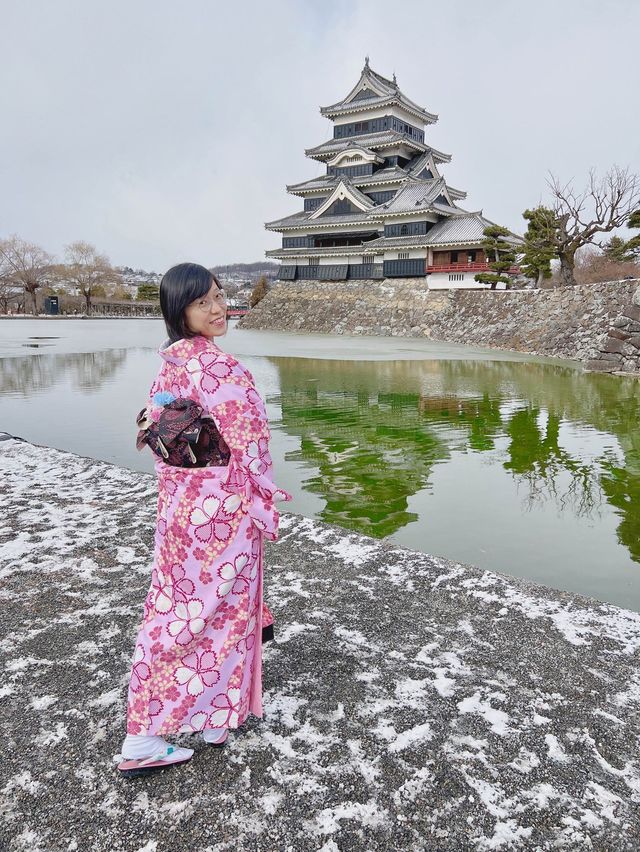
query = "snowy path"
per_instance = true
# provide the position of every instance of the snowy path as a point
(411, 702)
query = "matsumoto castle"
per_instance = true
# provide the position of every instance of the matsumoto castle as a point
(382, 209)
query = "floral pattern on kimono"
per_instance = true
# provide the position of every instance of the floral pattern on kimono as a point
(198, 656)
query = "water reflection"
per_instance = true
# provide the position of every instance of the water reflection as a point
(622, 488)
(374, 432)
(370, 450)
(34, 374)
(529, 468)
(549, 472)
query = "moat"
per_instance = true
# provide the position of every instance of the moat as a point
(526, 466)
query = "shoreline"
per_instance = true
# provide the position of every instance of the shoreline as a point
(519, 355)
(74, 317)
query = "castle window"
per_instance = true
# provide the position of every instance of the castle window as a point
(376, 125)
(456, 276)
(412, 229)
(351, 171)
(403, 255)
(368, 258)
(295, 242)
(313, 203)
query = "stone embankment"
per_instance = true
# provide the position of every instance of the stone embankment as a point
(411, 702)
(563, 322)
(619, 350)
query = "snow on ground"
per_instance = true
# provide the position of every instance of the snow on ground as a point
(410, 702)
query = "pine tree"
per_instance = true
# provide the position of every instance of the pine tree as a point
(633, 245)
(616, 249)
(539, 243)
(148, 292)
(495, 246)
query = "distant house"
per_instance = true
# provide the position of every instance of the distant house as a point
(382, 209)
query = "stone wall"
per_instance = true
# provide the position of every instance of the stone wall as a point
(385, 307)
(569, 322)
(620, 348)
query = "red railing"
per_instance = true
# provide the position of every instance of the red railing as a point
(479, 266)
(237, 312)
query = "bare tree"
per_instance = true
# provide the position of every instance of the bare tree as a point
(6, 294)
(88, 271)
(6, 287)
(259, 291)
(605, 204)
(25, 265)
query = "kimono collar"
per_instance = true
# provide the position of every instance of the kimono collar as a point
(182, 350)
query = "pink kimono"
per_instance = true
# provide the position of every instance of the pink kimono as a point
(198, 656)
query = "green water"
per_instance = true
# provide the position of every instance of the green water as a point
(532, 469)
(528, 467)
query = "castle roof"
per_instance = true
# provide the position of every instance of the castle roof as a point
(301, 219)
(390, 174)
(464, 229)
(418, 195)
(382, 139)
(373, 91)
(460, 228)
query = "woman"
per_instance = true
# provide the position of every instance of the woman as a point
(197, 663)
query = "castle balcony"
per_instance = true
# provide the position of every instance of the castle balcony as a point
(476, 266)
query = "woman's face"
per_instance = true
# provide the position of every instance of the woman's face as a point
(208, 314)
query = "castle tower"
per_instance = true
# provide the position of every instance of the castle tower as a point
(382, 209)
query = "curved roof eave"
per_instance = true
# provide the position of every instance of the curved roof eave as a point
(379, 177)
(304, 223)
(391, 138)
(403, 102)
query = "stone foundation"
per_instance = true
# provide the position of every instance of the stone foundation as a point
(569, 322)
(619, 350)
(385, 307)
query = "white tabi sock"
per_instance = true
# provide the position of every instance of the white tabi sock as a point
(214, 736)
(137, 746)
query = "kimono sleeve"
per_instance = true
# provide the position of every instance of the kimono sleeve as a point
(226, 391)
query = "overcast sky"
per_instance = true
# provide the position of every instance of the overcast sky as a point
(164, 131)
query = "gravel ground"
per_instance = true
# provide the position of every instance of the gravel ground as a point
(410, 702)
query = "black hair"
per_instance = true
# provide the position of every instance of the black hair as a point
(180, 286)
